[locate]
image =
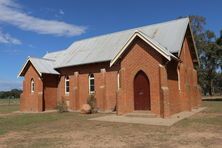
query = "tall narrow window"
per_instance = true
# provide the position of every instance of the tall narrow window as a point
(32, 86)
(91, 84)
(178, 74)
(118, 81)
(67, 85)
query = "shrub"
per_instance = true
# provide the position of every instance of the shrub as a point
(91, 100)
(62, 107)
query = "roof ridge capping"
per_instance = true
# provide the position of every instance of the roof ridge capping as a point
(41, 58)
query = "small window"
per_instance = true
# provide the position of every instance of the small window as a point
(91, 84)
(66, 85)
(118, 81)
(32, 86)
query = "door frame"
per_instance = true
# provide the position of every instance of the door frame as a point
(149, 96)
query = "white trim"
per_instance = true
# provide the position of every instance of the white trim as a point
(118, 81)
(195, 47)
(32, 87)
(91, 77)
(178, 75)
(67, 80)
(28, 60)
(148, 40)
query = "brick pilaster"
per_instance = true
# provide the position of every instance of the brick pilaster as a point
(76, 104)
(164, 93)
(103, 89)
(121, 93)
(40, 102)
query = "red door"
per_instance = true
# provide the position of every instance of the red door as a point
(141, 92)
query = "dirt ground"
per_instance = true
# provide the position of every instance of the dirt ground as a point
(74, 130)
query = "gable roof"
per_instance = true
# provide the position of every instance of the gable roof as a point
(167, 38)
(104, 48)
(164, 52)
(42, 66)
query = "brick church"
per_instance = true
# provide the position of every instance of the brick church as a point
(147, 68)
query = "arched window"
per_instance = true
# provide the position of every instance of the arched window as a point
(32, 86)
(118, 81)
(91, 84)
(178, 74)
(67, 85)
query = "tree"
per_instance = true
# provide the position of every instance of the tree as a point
(211, 59)
(14, 93)
(209, 52)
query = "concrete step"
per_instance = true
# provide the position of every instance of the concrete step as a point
(142, 114)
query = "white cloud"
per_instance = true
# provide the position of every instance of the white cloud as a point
(8, 39)
(11, 13)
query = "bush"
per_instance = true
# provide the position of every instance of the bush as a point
(91, 100)
(62, 107)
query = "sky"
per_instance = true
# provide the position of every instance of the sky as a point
(35, 27)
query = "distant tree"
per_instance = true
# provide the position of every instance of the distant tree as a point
(209, 51)
(14, 93)
(211, 59)
(218, 83)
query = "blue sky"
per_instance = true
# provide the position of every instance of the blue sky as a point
(34, 27)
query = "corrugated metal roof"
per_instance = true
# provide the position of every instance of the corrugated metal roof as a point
(104, 48)
(54, 55)
(57, 56)
(43, 66)
(169, 35)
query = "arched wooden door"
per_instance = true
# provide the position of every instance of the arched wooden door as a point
(141, 92)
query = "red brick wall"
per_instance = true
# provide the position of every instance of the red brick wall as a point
(31, 101)
(164, 91)
(189, 94)
(172, 77)
(50, 83)
(140, 56)
(105, 85)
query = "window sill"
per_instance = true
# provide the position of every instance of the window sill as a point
(92, 93)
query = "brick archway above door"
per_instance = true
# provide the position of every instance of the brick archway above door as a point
(141, 92)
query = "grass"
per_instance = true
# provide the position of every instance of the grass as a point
(74, 130)
(8, 109)
(211, 116)
(18, 122)
(213, 106)
(9, 101)
(8, 106)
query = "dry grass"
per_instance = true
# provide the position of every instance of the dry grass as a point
(8, 105)
(74, 130)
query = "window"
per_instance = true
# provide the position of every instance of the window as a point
(91, 84)
(32, 86)
(67, 85)
(178, 73)
(118, 81)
